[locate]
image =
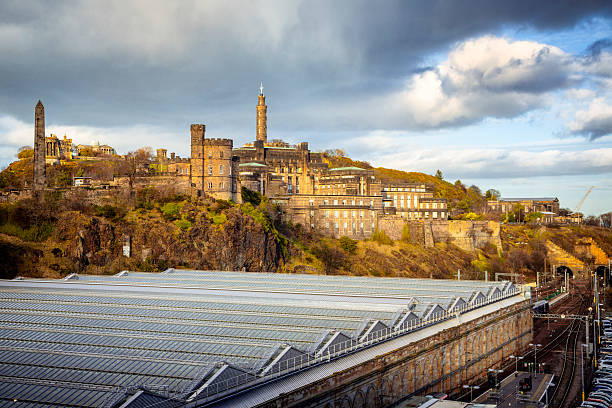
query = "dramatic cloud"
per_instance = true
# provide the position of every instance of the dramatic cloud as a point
(502, 163)
(594, 122)
(485, 77)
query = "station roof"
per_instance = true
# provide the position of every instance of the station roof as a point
(79, 340)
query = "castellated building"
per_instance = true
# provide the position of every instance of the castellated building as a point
(346, 201)
(213, 166)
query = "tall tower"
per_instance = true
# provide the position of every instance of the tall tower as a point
(262, 127)
(196, 174)
(40, 174)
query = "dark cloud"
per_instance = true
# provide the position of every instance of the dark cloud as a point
(594, 50)
(119, 63)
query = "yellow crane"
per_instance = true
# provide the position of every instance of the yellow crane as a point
(579, 206)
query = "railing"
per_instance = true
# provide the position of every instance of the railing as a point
(296, 364)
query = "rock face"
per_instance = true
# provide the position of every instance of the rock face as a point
(95, 244)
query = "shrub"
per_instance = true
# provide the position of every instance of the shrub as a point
(183, 224)
(250, 196)
(109, 211)
(381, 237)
(217, 219)
(406, 233)
(171, 211)
(349, 245)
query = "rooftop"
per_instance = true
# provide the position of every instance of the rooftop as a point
(346, 168)
(95, 340)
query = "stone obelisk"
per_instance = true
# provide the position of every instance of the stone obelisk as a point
(40, 174)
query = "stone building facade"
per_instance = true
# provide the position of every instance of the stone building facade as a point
(57, 149)
(543, 205)
(214, 168)
(413, 201)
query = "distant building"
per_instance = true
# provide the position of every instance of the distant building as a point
(96, 148)
(340, 201)
(545, 204)
(57, 149)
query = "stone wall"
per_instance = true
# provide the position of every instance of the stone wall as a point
(467, 235)
(442, 362)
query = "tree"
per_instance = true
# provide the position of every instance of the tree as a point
(492, 194)
(25, 152)
(439, 174)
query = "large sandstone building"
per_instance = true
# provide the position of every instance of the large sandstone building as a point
(340, 201)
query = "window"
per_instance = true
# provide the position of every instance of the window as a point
(312, 213)
(325, 202)
(335, 202)
(221, 154)
(343, 202)
(311, 202)
(442, 215)
(220, 169)
(434, 214)
(335, 225)
(353, 213)
(336, 214)
(360, 202)
(361, 213)
(210, 154)
(326, 213)
(327, 225)
(345, 225)
(345, 213)
(352, 202)
(210, 170)
(210, 186)
(221, 186)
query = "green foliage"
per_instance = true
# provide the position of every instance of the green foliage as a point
(492, 194)
(217, 218)
(471, 216)
(25, 152)
(381, 237)
(109, 211)
(439, 174)
(221, 205)
(145, 198)
(348, 244)
(64, 179)
(250, 196)
(482, 263)
(534, 216)
(34, 233)
(171, 211)
(183, 224)
(259, 216)
(331, 256)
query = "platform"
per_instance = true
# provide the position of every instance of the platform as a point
(509, 388)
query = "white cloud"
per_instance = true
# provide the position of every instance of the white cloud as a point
(15, 133)
(593, 122)
(497, 163)
(484, 77)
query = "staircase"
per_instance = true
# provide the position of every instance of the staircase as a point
(558, 256)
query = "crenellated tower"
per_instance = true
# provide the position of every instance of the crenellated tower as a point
(214, 169)
(262, 127)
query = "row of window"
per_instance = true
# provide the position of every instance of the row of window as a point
(336, 226)
(423, 215)
(344, 202)
(210, 170)
(346, 213)
(221, 185)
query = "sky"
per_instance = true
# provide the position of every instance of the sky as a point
(513, 95)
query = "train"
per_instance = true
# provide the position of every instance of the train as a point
(541, 307)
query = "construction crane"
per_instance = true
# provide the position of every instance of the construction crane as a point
(579, 206)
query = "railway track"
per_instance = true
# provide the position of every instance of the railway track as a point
(567, 337)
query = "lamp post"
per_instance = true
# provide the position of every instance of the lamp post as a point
(535, 356)
(516, 359)
(472, 388)
(582, 367)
